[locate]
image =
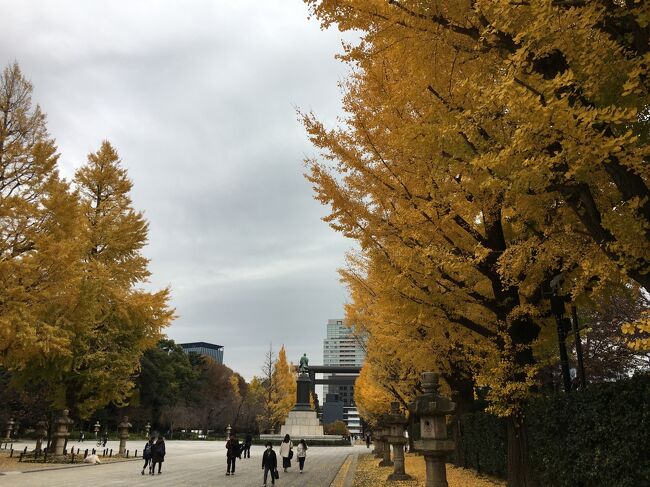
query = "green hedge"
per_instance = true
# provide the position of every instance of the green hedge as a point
(599, 437)
(483, 443)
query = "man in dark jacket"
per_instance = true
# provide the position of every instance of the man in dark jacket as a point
(269, 463)
(232, 452)
(247, 445)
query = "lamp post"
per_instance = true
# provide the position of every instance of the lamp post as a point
(576, 333)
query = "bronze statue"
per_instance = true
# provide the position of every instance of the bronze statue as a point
(304, 364)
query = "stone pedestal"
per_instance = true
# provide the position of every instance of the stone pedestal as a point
(432, 409)
(123, 429)
(399, 472)
(385, 452)
(41, 432)
(61, 432)
(8, 429)
(303, 388)
(301, 424)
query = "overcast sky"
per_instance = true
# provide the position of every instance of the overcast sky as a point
(199, 98)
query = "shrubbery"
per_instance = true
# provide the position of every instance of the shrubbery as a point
(597, 437)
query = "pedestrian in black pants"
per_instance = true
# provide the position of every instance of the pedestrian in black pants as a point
(248, 441)
(232, 452)
(158, 455)
(269, 463)
(146, 453)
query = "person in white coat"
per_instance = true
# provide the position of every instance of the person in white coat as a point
(302, 454)
(286, 451)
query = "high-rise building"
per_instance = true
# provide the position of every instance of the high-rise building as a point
(342, 347)
(208, 349)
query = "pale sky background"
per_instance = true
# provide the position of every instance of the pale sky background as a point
(199, 98)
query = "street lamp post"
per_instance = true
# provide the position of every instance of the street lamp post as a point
(557, 308)
(576, 333)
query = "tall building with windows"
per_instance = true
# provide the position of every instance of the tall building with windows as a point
(208, 349)
(342, 347)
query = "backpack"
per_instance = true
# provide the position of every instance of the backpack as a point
(146, 454)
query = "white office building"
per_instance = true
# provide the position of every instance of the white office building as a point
(341, 348)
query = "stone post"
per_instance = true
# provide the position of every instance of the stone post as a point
(396, 423)
(123, 433)
(61, 432)
(147, 429)
(228, 431)
(432, 409)
(41, 431)
(385, 451)
(9, 429)
(376, 439)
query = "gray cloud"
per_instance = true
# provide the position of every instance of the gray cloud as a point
(199, 97)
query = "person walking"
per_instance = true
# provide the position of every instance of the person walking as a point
(302, 454)
(248, 441)
(232, 452)
(286, 452)
(146, 453)
(158, 452)
(269, 463)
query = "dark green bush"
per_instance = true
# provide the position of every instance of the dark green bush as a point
(483, 443)
(598, 437)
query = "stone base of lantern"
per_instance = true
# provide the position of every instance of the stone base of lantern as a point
(386, 461)
(398, 458)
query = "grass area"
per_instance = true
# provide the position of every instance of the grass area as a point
(12, 464)
(369, 474)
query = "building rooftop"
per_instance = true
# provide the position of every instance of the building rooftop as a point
(211, 346)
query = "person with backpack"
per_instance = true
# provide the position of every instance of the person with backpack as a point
(233, 451)
(270, 463)
(146, 454)
(302, 454)
(286, 451)
(158, 452)
(248, 441)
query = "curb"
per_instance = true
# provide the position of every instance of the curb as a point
(63, 467)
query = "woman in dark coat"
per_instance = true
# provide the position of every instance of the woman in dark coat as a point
(158, 455)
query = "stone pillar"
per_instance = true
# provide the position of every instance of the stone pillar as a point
(147, 429)
(41, 432)
(61, 432)
(432, 409)
(396, 423)
(228, 431)
(123, 433)
(9, 429)
(385, 452)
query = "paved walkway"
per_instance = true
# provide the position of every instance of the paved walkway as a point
(191, 463)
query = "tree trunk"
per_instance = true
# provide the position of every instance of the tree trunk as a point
(519, 471)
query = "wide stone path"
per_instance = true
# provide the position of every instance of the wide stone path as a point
(191, 463)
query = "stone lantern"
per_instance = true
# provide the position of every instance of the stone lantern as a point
(123, 433)
(396, 423)
(61, 432)
(385, 446)
(434, 444)
(228, 431)
(96, 428)
(147, 429)
(9, 429)
(41, 432)
(376, 439)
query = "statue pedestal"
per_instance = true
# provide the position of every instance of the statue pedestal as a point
(300, 424)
